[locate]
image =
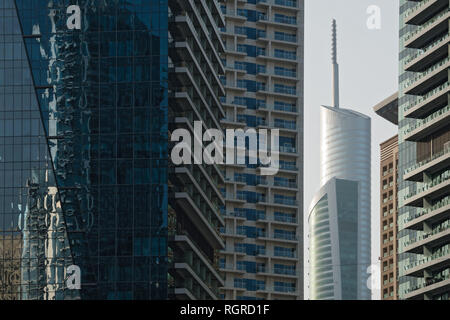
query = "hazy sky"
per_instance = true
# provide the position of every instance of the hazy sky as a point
(368, 62)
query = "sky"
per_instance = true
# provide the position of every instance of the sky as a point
(368, 66)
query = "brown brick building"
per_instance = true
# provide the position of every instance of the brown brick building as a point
(388, 109)
(388, 218)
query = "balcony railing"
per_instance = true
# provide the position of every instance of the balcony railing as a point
(431, 117)
(442, 203)
(426, 25)
(428, 48)
(285, 55)
(414, 9)
(436, 181)
(444, 275)
(437, 255)
(440, 228)
(284, 236)
(286, 3)
(285, 37)
(428, 160)
(285, 125)
(288, 149)
(284, 271)
(285, 184)
(426, 73)
(289, 202)
(426, 96)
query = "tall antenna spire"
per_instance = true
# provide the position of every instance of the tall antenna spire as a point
(335, 66)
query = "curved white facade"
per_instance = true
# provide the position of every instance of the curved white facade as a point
(345, 142)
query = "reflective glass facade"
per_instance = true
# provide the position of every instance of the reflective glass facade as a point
(333, 221)
(84, 149)
(345, 158)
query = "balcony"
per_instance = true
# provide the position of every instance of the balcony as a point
(191, 50)
(437, 188)
(432, 263)
(204, 33)
(230, 268)
(283, 58)
(430, 166)
(428, 56)
(424, 128)
(285, 185)
(282, 4)
(279, 22)
(238, 234)
(428, 31)
(436, 238)
(288, 150)
(185, 270)
(284, 203)
(437, 212)
(183, 78)
(429, 79)
(196, 210)
(429, 103)
(424, 10)
(184, 243)
(234, 15)
(231, 123)
(434, 287)
(236, 215)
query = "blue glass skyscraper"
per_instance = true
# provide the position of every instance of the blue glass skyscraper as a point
(84, 168)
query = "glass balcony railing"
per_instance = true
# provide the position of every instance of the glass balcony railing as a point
(285, 73)
(289, 202)
(285, 37)
(442, 203)
(285, 184)
(423, 122)
(285, 90)
(434, 256)
(425, 97)
(288, 149)
(417, 7)
(285, 55)
(440, 228)
(443, 275)
(285, 125)
(426, 25)
(285, 20)
(287, 108)
(284, 218)
(286, 3)
(285, 254)
(284, 271)
(235, 214)
(284, 236)
(284, 289)
(289, 167)
(422, 52)
(426, 73)
(426, 186)
(428, 160)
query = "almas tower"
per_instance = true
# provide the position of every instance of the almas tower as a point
(339, 215)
